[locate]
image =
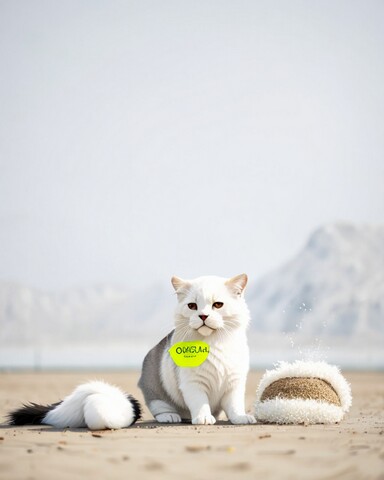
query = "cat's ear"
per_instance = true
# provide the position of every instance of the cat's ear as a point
(237, 284)
(179, 285)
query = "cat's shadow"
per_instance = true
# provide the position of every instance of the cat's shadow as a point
(184, 423)
(140, 425)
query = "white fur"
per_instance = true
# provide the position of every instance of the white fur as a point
(285, 411)
(96, 405)
(218, 383)
(297, 411)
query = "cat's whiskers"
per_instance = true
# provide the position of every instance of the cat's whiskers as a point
(183, 330)
(223, 333)
(186, 332)
(232, 323)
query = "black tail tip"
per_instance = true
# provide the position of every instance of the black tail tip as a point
(29, 414)
(137, 412)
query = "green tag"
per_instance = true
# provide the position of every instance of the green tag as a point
(189, 354)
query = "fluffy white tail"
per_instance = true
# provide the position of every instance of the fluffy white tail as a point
(96, 405)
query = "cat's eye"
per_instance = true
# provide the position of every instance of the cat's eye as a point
(217, 304)
(192, 306)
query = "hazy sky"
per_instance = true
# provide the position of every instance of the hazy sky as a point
(141, 139)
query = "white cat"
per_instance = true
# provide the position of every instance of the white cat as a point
(211, 309)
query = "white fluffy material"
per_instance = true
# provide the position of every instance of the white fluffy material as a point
(294, 411)
(96, 405)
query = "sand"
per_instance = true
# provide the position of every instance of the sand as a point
(353, 449)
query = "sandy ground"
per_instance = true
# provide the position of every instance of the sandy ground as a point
(354, 449)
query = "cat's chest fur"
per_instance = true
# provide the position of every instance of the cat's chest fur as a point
(227, 363)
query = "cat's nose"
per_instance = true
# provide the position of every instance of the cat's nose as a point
(203, 317)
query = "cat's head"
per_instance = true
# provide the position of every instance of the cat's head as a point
(210, 305)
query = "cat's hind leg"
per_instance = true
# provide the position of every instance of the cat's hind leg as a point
(163, 412)
(168, 418)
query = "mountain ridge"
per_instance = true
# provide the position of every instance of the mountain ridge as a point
(333, 287)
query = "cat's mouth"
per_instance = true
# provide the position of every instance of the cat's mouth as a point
(205, 330)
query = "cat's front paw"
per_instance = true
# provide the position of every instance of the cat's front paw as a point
(168, 418)
(204, 420)
(243, 419)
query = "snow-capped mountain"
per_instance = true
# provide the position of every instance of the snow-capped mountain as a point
(334, 286)
(333, 289)
(83, 315)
